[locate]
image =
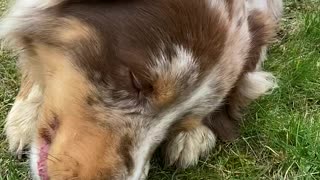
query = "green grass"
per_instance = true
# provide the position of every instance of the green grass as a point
(281, 135)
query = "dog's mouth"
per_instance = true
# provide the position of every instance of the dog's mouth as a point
(42, 161)
(47, 134)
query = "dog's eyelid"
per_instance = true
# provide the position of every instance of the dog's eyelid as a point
(141, 84)
(135, 81)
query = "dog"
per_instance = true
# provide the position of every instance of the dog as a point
(106, 82)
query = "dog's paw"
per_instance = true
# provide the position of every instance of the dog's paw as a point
(18, 138)
(21, 124)
(187, 147)
(17, 142)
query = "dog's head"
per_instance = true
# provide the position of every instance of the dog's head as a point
(113, 76)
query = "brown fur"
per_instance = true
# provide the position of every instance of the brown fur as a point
(92, 155)
(263, 30)
(164, 92)
(187, 124)
(96, 61)
(74, 30)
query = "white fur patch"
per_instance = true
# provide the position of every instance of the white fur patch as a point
(21, 121)
(186, 148)
(216, 4)
(274, 7)
(34, 157)
(20, 5)
(257, 5)
(180, 66)
(256, 84)
(146, 171)
(21, 13)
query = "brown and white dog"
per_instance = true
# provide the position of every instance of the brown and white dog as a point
(105, 82)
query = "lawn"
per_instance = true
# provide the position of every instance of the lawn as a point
(281, 134)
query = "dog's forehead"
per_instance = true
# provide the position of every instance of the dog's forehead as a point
(133, 33)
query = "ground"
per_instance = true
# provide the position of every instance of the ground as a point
(281, 134)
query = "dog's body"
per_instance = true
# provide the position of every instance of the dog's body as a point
(105, 82)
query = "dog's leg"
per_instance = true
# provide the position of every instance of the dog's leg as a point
(21, 120)
(188, 140)
(193, 138)
(225, 121)
(254, 82)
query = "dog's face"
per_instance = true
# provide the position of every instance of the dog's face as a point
(113, 77)
(78, 135)
(88, 128)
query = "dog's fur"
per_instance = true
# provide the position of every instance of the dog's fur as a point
(105, 82)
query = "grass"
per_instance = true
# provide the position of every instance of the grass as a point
(281, 135)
